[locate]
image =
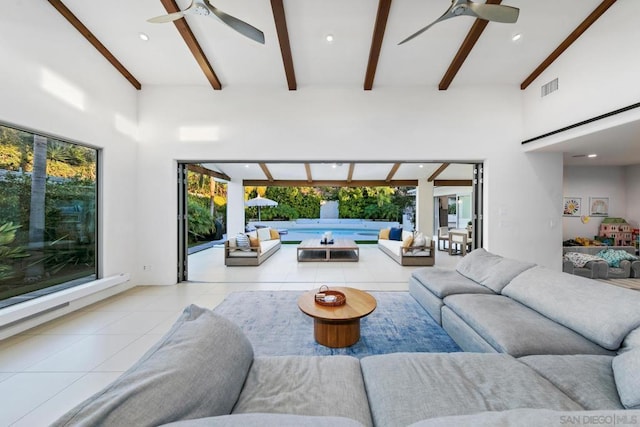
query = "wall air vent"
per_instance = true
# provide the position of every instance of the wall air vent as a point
(552, 86)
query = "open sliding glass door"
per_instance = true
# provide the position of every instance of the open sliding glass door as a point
(182, 223)
(478, 170)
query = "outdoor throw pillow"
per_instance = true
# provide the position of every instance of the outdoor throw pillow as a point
(264, 234)
(242, 241)
(254, 242)
(626, 371)
(406, 243)
(419, 239)
(614, 256)
(274, 234)
(395, 234)
(579, 259)
(384, 234)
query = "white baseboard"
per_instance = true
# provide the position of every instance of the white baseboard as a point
(20, 317)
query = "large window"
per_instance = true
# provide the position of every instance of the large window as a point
(48, 215)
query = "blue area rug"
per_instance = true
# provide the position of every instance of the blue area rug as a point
(276, 326)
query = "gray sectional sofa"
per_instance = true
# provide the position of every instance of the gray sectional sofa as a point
(499, 305)
(203, 373)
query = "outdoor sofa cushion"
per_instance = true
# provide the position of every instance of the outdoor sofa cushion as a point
(602, 313)
(196, 370)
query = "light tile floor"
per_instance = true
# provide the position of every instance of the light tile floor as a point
(49, 369)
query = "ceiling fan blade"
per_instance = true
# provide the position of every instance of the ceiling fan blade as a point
(166, 18)
(240, 26)
(495, 12)
(446, 15)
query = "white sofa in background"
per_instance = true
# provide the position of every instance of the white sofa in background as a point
(266, 242)
(405, 251)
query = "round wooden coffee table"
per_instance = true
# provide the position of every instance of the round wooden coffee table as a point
(338, 326)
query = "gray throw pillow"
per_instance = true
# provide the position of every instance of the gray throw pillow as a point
(626, 371)
(242, 241)
(196, 370)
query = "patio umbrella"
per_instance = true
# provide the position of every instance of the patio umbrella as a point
(260, 202)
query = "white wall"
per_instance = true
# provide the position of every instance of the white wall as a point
(104, 113)
(350, 124)
(596, 75)
(632, 182)
(594, 181)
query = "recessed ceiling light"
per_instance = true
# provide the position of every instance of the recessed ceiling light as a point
(591, 156)
(420, 166)
(143, 36)
(246, 166)
(516, 37)
(329, 38)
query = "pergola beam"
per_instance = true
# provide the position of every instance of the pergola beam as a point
(331, 183)
(392, 172)
(266, 171)
(307, 168)
(205, 171)
(438, 172)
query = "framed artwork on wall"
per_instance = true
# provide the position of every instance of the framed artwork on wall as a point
(572, 206)
(599, 206)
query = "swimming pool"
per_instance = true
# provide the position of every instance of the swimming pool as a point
(353, 229)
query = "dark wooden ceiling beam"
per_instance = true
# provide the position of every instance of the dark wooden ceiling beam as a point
(205, 171)
(307, 168)
(438, 172)
(580, 29)
(376, 42)
(330, 183)
(266, 171)
(392, 172)
(352, 167)
(193, 45)
(453, 183)
(82, 29)
(277, 7)
(465, 49)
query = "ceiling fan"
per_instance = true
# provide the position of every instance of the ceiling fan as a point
(204, 8)
(490, 12)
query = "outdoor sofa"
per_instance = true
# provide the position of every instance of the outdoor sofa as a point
(262, 243)
(203, 373)
(407, 247)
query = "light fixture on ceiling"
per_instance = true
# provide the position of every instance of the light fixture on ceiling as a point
(246, 166)
(420, 166)
(143, 36)
(591, 156)
(329, 38)
(516, 37)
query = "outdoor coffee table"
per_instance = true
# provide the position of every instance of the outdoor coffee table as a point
(338, 326)
(339, 250)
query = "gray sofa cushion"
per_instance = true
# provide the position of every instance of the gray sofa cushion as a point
(603, 313)
(445, 281)
(306, 385)
(631, 341)
(512, 328)
(587, 379)
(490, 270)
(404, 388)
(626, 370)
(535, 418)
(267, 420)
(196, 370)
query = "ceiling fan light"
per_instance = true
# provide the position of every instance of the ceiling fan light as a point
(592, 156)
